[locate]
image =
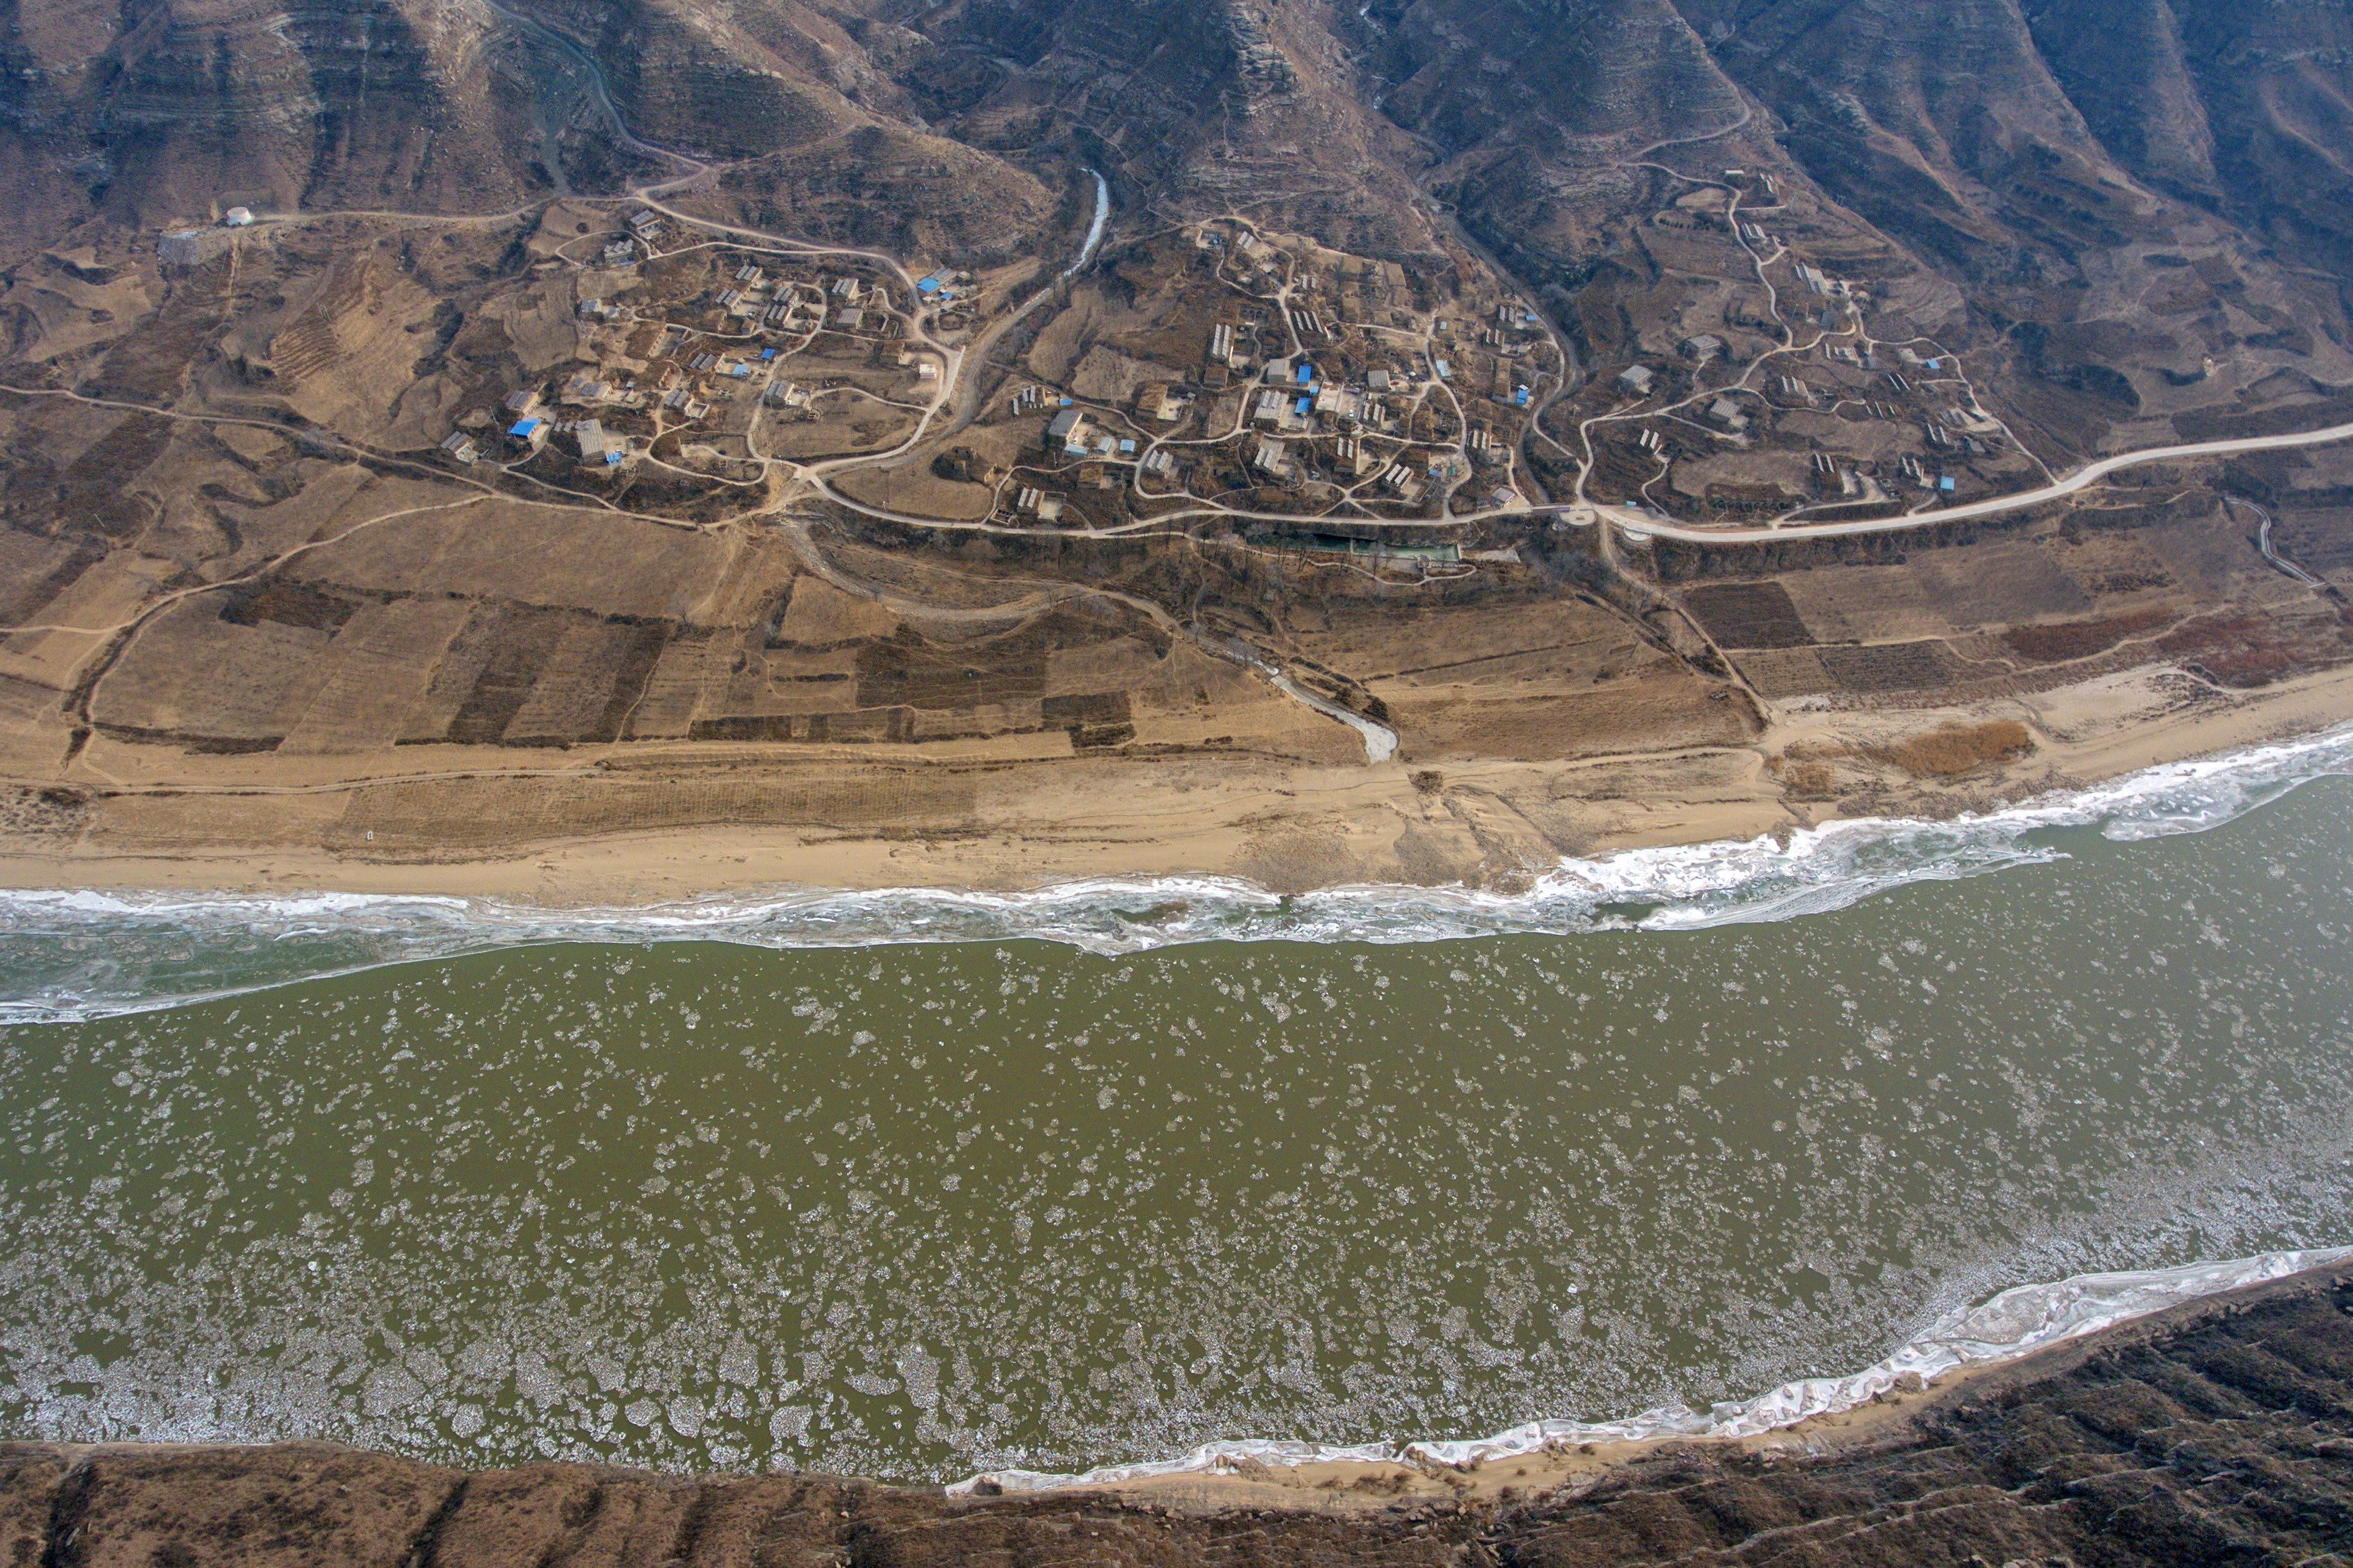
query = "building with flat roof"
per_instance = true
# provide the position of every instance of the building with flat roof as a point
(591, 440)
(1274, 461)
(192, 246)
(1069, 431)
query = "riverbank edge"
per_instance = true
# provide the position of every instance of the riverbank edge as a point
(1568, 1465)
(1191, 823)
(59, 1495)
(1566, 1468)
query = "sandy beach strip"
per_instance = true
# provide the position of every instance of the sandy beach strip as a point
(239, 826)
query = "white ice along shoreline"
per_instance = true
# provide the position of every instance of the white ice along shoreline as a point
(84, 954)
(2015, 1324)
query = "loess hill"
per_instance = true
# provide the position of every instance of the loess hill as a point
(660, 416)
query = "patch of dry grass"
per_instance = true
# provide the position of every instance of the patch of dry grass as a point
(1956, 749)
(2240, 650)
(1809, 781)
(2060, 641)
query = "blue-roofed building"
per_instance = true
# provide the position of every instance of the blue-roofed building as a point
(1521, 397)
(767, 353)
(1127, 447)
(1304, 404)
(1306, 372)
(1945, 484)
(522, 428)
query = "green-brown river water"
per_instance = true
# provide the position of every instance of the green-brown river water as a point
(913, 1211)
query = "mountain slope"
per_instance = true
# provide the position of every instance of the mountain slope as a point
(2247, 109)
(169, 110)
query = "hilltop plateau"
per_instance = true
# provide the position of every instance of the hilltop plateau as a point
(611, 450)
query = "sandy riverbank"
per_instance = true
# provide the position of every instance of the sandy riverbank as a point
(620, 828)
(1897, 1414)
(1346, 1487)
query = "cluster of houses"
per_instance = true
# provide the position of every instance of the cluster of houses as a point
(646, 229)
(1301, 412)
(944, 287)
(674, 378)
(1294, 402)
(1702, 349)
(844, 304)
(531, 425)
(1072, 434)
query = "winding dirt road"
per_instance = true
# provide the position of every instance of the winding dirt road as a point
(2081, 479)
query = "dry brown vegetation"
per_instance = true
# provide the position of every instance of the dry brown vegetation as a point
(1804, 780)
(1956, 749)
(1749, 615)
(2065, 640)
(2242, 650)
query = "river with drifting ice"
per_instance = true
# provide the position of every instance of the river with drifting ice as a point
(928, 1182)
